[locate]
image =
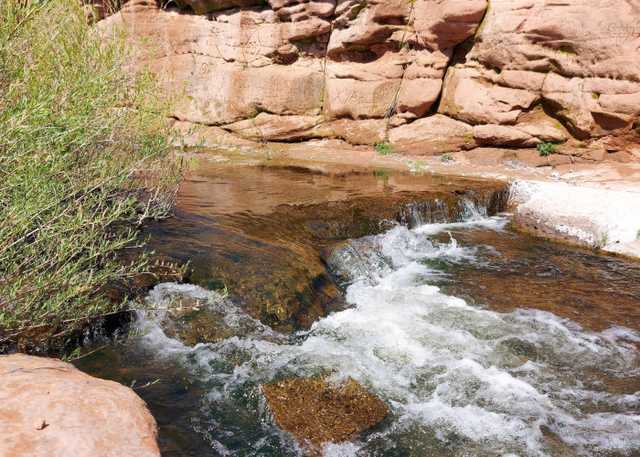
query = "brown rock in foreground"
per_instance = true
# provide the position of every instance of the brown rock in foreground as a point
(316, 412)
(48, 408)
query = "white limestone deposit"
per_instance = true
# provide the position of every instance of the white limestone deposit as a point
(589, 215)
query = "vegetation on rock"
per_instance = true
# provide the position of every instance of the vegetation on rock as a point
(83, 162)
(384, 149)
(546, 149)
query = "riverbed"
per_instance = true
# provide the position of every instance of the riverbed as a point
(481, 340)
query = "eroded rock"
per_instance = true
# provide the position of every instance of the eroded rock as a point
(432, 135)
(48, 408)
(520, 73)
(579, 58)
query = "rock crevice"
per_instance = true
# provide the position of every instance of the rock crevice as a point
(375, 70)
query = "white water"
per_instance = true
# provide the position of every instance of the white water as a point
(460, 380)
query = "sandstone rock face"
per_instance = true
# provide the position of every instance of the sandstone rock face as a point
(48, 408)
(578, 57)
(515, 73)
(432, 135)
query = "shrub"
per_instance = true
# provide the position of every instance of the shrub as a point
(384, 148)
(83, 162)
(546, 149)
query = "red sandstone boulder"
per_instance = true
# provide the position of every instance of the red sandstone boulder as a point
(48, 408)
(432, 135)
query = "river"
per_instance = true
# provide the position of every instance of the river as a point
(480, 340)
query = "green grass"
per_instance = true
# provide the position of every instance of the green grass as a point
(546, 149)
(83, 163)
(384, 148)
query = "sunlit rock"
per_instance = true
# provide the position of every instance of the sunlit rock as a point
(48, 408)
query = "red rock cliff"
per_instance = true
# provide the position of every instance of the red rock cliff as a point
(427, 75)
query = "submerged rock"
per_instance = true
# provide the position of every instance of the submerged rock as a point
(191, 318)
(48, 408)
(315, 411)
(260, 231)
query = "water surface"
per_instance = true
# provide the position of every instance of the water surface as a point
(482, 341)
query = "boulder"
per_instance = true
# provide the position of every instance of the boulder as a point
(365, 131)
(502, 135)
(432, 135)
(48, 408)
(270, 127)
(540, 125)
(470, 95)
(316, 411)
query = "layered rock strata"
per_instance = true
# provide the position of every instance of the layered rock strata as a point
(427, 76)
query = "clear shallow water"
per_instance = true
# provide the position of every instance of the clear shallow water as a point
(460, 379)
(483, 342)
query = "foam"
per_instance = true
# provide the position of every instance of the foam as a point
(469, 375)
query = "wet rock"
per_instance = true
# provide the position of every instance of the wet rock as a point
(192, 321)
(48, 408)
(265, 247)
(354, 260)
(315, 411)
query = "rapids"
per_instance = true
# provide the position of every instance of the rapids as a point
(460, 378)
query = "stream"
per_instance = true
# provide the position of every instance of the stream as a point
(480, 340)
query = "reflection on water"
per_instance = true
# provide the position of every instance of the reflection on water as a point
(481, 341)
(259, 231)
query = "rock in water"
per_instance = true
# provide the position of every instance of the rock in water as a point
(315, 411)
(48, 408)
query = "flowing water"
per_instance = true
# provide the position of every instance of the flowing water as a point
(481, 341)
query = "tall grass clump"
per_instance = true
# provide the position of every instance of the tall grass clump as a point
(83, 162)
